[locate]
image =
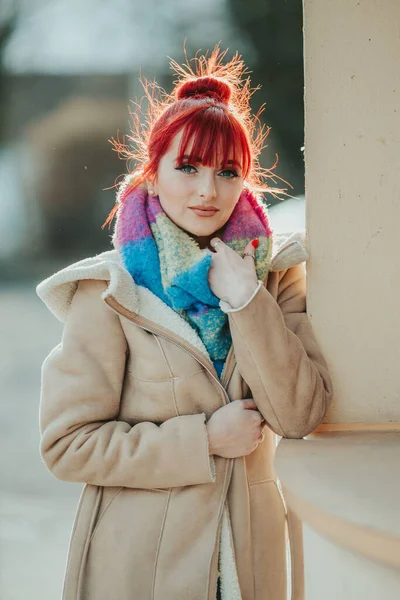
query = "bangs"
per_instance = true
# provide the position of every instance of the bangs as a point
(215, 138)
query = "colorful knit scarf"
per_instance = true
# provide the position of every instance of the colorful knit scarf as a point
(165, 259)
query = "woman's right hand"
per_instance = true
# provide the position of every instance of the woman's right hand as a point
(235, 429)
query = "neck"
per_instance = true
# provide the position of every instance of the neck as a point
(204, 240)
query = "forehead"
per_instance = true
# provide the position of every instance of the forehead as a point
(176, 151)
(175, 143)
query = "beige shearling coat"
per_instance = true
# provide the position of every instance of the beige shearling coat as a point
(124, 401)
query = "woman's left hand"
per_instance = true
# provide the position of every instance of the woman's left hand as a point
(231, 277)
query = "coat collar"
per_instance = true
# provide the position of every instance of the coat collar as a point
(58, 290)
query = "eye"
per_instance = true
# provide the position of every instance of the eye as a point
(186, 168)
(229, 173)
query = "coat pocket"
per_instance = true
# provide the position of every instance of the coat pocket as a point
(122, 555)
(109, 495)
(268, 530)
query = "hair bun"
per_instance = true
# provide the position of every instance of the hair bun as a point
(204, 87)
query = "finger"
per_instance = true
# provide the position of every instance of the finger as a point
(261, 420)
(216, 243)
(249, 253)
(249, 404)
(257, 416)
(261, 437)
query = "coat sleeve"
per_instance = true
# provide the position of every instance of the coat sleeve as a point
(82, 438)
(279, 358)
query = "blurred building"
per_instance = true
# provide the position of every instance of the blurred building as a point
(69, 70)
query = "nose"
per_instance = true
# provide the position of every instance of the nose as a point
(207, 189)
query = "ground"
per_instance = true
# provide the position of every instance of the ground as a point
(36, 510)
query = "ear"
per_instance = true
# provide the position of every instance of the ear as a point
(149, 186)
(152, 187)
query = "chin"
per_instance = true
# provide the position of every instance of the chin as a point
(204, 229)
(199, 227)
(200, 232)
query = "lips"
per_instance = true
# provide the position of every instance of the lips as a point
(204, 211)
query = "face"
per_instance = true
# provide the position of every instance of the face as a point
(197, 198)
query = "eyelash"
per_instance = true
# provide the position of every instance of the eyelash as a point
(187, 165)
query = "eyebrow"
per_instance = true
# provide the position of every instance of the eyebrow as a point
(198, 160)
(187, 156)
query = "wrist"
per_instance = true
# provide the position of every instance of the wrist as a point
(243, 296)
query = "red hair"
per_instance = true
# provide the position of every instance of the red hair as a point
(210, 105)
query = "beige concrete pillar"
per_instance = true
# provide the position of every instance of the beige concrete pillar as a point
(352, 154)
(342, 481)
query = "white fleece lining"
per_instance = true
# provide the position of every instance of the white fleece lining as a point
(230, 588)
(289, 249)
(58, 290)
(153, 308)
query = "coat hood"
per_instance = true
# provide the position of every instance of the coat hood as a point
(57, 291)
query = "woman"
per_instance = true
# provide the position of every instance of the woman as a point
(185, 350)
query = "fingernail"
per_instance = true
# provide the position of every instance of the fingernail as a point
(255, 243)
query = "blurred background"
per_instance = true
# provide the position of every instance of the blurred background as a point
(68, 70)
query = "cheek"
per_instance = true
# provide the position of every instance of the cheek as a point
(174, 186)
(229, 193)
(174, 194)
